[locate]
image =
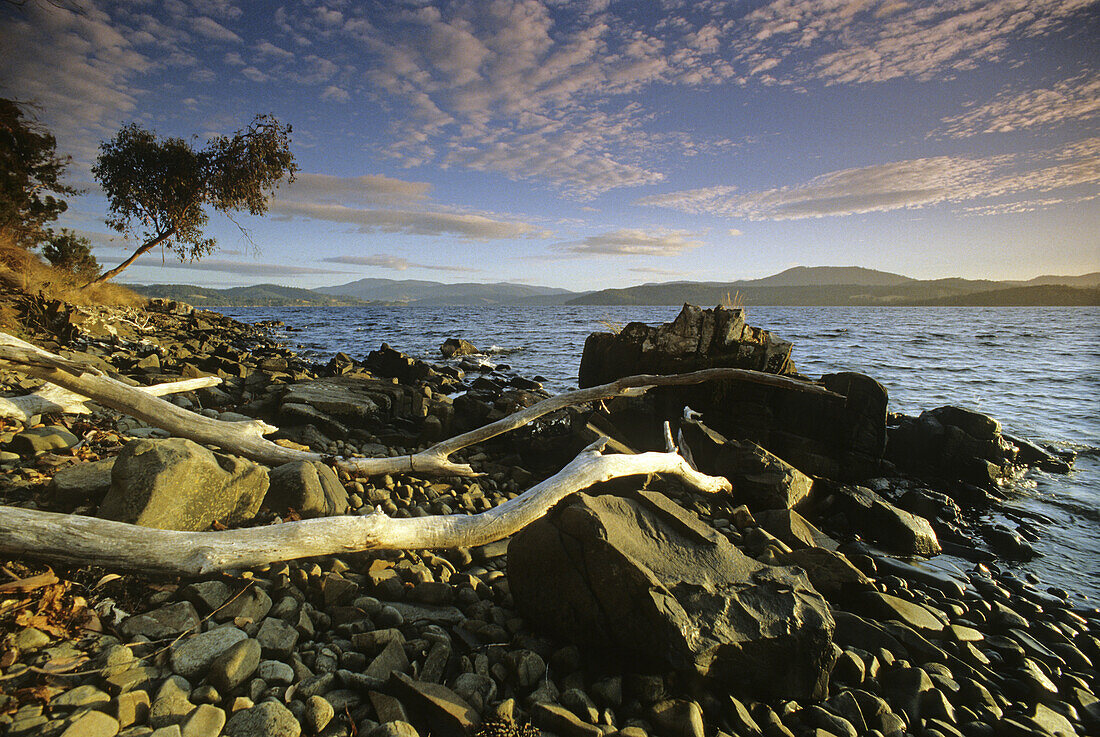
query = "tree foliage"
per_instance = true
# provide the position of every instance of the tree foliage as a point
(71, 253)
(31, 175)
(159, 190)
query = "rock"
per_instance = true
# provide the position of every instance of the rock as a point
(394, 728)
(310, 488)
(678, 718)
(457, 347)
(177, 484)
(268, 719)
(82, 482)
(319, 713)
(878, 605)
(85, 695)
(234, 666)
(252, 604)
(41, 439)
(561, 721)
(829, 572)
(276, 673)
(30, 638)
(190, 658)
(766, 480)
(645, 579)
(277, 638)
(205, 721)
(442, 711)
(167, 621)
(793, 529)
(207, 596)
(880, 521)
(92, 724)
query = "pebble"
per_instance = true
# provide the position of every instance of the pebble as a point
(269, 719)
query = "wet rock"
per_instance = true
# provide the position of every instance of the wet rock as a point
(457, 347)
(634, 575)
(310, 488)
(177, 484)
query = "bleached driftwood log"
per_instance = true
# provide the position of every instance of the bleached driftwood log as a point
(77, 539)
(52, 399)
(245, 438)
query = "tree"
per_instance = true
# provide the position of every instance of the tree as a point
(30, 176)
(159, 189)
(72, 253)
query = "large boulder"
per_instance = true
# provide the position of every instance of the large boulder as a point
(840, 437)
(762, 478)
(177, 484)
(309, 487)
(878, 520)
(955, 444)
(644, 579)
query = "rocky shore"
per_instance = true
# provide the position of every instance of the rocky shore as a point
(852, 583)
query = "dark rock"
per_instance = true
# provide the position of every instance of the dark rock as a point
(438, 708)
(646, 579)
(457, 347)
(561, 721)
(168, 621)
(880, 521)
(310, 488)
(767, 481)
(177, 484)
(829, 572)
(42, 439)
(793, 529)
(82, 482)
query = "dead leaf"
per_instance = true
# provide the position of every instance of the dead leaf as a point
(30, 583)
(106, 580)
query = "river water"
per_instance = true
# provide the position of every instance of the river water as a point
(1036, 369)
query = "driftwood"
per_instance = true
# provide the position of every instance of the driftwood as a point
(77, 539)
(52, 399)
(245, 438)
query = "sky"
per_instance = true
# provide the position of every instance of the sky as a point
(597, 144)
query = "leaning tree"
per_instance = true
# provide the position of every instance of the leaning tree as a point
(159, 190)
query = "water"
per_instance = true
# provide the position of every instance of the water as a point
(1036, 369)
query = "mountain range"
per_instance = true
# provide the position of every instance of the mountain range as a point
(800, 285)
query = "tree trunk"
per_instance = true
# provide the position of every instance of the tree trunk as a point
(52, 399)
(142, 249)
(91, 541)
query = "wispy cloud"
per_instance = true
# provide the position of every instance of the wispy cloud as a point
(243, 268)
(1069, 101)
(635, 242)
(397, 263)
(903, 184)
(378, 204)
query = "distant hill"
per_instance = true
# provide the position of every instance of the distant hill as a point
(261, 295)
(432, 294)
(829, 285)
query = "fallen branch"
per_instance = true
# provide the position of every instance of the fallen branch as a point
(52, 399)
(88, 540)
(245, 438)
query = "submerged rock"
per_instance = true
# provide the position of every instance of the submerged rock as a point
(645, 579)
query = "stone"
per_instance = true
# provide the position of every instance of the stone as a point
(794, 530)
(131, 707)
(678, 718)
(252, 605)
(319, 713)
(457, 347)
(880, 521)
(646, 580)
(276, 673)
(561, 721)
(392, 659)
(92, 724)
(443, 712)
(205, 721)
(235, 665)
(82, 482)
(395, 728)
(167, 621)
(171, 705)
(86, 695)
(42, 439)
(30, 638)
(177, 484)
(207, 596)
(878, 605)
(191, 658)
(277, 638)
(765, 480)
(578, 702)
(268, 719)
(309, 487)
(831, 573)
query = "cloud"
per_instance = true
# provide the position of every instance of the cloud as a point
(734, 232)
(635, 242)
(913, 183)
(654, 272)
(213, 30)
(244, 268)
(375, 203)
(1072, 100)
(334, 93)
(463, 225)
(397, 263)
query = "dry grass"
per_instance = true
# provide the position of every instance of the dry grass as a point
(734, 301)
(23, 271)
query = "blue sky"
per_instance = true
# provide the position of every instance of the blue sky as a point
(600, 144)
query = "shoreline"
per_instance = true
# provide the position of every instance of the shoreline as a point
(336, 614)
